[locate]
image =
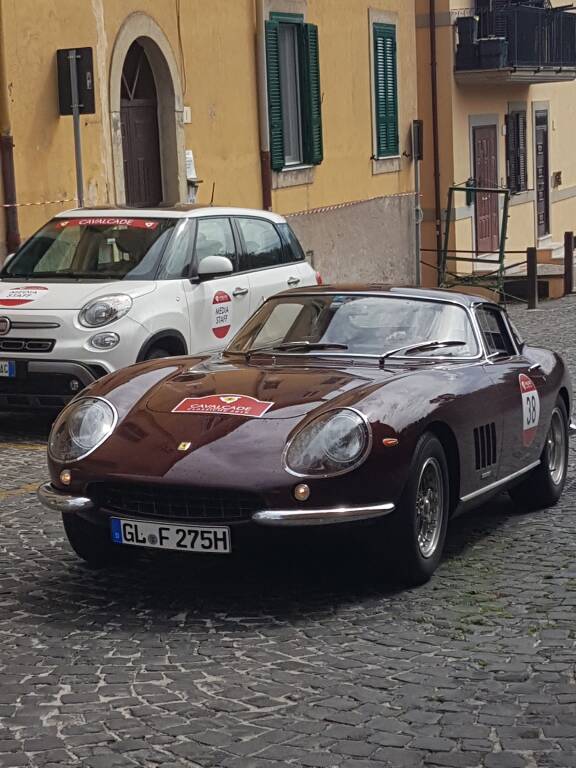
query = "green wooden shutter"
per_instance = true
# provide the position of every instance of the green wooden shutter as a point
(522, 153)
(313, 148)
(512, 152)
(386, 87)
(274, 96)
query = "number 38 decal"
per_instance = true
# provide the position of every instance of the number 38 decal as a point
(530, 409)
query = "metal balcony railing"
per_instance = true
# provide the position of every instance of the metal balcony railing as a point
(517, 36)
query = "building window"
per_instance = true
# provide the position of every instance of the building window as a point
(294, 95)
(516, 155)
(386, 91)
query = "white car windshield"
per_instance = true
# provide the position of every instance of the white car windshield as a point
(93, 248)
(357, 324)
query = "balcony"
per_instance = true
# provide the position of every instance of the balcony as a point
(516, 44)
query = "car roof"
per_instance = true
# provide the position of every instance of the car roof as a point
(169, 212)
(432, 294)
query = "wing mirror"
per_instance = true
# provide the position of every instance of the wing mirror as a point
(214, 266)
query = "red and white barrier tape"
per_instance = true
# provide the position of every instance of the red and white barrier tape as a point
(338, 206)
(47, 202)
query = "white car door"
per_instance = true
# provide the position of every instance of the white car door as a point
(266, 259)
(221, 305)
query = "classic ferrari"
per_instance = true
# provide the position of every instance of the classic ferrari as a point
(390, 410)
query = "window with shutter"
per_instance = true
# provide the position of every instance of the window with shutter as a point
(516, 151)
(294, 94)
(386, 90)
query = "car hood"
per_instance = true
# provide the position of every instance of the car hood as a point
(70, 295)
(221, 388)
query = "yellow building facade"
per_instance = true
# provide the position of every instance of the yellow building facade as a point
(515, 115)
(183, 96)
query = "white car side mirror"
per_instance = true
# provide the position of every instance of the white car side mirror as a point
(214, 266)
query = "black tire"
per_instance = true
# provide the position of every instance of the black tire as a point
(92, 543)
(415, 560)
(156, 353)
(543, 487)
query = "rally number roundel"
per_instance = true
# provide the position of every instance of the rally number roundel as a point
(221, 314)
(530, 409)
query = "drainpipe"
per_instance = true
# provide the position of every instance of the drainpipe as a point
(265, 165)
(435, 132)
(7, 154)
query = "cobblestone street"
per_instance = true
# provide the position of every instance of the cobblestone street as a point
(308, 657)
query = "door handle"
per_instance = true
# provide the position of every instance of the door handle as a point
(240, 292)
(293, 281)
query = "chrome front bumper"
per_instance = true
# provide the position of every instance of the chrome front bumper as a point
(572, 430)
(59, 501)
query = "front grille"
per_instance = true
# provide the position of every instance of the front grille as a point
(27, 345)
(168, 502)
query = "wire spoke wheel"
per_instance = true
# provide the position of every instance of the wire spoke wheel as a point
(429, 507)
(556, 447)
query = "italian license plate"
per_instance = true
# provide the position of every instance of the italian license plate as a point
(181, 538)
(7, 369)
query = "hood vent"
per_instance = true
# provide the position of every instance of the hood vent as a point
(485, 446)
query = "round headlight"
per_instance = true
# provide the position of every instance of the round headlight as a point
(334, 443)
(104, 310)
(81, 428)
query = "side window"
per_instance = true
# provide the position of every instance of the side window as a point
(293, 251)
(176, 262)
(262, 244)
(494, 331)
(214, 238)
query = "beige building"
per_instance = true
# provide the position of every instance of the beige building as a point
(304, 106)
(506, 112)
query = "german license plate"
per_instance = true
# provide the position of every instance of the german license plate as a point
(7, 369)
(182, 538)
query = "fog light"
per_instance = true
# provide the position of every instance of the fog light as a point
(74, 385)
(65, 477)
(302, 492)
(105, 340)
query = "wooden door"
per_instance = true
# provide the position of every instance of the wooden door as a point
(486, 175)
(542, 174)
(140, 134)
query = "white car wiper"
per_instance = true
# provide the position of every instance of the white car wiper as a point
(422, 347)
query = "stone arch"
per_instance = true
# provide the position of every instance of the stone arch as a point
(141, 28)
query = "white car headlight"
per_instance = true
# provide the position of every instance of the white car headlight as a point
(104, 310)
(81, 428)
(334, 443)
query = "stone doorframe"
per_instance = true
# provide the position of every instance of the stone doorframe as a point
(138, 26)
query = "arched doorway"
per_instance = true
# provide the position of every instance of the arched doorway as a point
(140, 134)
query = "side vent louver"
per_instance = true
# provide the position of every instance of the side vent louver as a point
(485, 445)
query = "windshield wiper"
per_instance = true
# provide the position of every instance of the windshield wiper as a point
(422, 347)
(308, 346)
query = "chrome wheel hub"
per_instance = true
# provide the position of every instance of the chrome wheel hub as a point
(556, 447)
(429, 507)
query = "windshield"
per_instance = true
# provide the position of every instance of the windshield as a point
(97, 248)
(363, 325)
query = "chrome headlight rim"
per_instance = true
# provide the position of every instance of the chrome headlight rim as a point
(337, 473)
(105, 299)
(64, 415)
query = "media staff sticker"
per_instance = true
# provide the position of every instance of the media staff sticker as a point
(530, 409)
(101, 221)
(25, 294)
(221, 314)
(225, 405)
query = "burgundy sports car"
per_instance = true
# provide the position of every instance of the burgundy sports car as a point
(387, 409)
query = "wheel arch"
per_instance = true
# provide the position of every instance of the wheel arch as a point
(449, 443)
(565, 395)
(171, 340)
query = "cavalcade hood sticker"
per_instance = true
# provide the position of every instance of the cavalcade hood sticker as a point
(225, 405)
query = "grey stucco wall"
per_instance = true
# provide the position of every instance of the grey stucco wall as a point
(367, 242)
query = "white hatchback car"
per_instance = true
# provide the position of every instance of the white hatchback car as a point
(96, 290)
